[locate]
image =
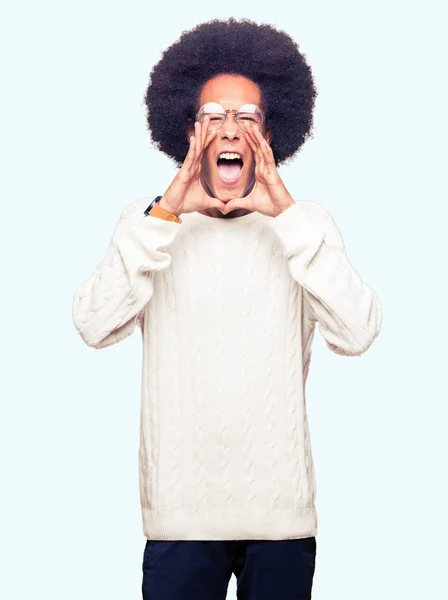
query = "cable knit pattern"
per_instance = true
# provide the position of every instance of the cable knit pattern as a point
(227, 309)
(173, 489)
(198, 499)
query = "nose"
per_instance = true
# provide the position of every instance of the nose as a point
(230, 129)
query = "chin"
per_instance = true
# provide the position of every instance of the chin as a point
(225, 191)
(225, 194)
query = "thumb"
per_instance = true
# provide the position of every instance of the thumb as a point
(243, 202)
(235, 203)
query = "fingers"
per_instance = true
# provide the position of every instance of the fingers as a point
(265, 147)
(255, 146)
(221, 206)
(200, 139)
(198, 144)
(207, 135)
(263, 151)
(206, 138)
(204, 128)
(252, 144)
(245, 202)
(189, 159)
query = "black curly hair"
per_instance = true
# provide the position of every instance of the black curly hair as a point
(261, 53)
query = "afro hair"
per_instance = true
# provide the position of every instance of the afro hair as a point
(262, 53)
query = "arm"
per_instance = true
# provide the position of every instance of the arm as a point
(346, 309)
(108, 305)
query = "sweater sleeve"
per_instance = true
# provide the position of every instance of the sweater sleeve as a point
(108, 305)
(347, 310)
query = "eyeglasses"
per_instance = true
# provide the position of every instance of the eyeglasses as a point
(246, 114)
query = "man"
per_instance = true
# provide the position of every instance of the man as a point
(227, 298)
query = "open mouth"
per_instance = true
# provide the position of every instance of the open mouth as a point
(230, 167)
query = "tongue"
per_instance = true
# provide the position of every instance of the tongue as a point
(229, 171)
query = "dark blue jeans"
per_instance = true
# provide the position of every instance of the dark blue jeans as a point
(201, 570)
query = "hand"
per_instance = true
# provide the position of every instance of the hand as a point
(269, 195)
(186, 194)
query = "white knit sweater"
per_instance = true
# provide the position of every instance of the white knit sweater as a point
(227, 308)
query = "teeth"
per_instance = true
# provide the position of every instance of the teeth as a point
(229, 155)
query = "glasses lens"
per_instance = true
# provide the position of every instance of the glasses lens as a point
(248, 119)
(216, 120)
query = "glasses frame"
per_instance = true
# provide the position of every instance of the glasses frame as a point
(235, 111)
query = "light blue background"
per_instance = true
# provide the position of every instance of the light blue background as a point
(75, 152)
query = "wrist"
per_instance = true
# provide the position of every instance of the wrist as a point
(285, 206)
(164, 204)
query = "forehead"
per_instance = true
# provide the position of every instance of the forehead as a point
(231, 91)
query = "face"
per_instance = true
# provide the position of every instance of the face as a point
(230, 91)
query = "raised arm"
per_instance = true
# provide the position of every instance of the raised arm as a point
(108, 305)
(347, 310)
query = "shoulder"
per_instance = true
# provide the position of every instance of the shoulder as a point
(313, 209)
(136, 208)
